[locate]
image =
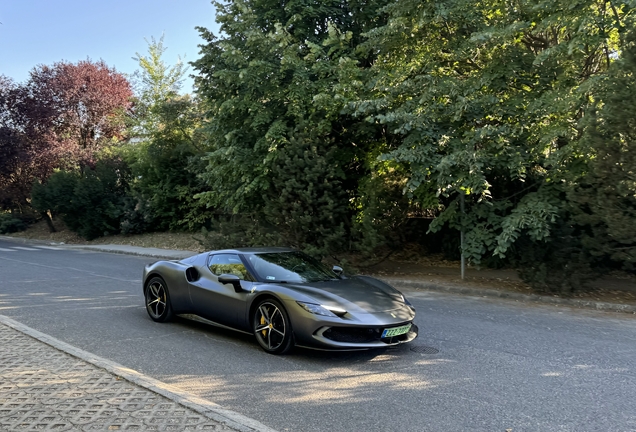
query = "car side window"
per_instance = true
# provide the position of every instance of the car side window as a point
(228, 264)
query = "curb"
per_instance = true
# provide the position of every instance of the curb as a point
(116, 249)
(32, 241)
(585, 304)
(173, 254)
(204, 407)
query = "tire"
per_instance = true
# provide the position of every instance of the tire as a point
(272, 328)
(157, 300)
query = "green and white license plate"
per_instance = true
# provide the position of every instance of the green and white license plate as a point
(396, 331)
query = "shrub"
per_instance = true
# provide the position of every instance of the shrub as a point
(10, 223)
(90, 203)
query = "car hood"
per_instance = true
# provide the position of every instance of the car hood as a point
(361, 294)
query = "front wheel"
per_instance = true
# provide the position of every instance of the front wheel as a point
(158, 300)
(272, 328)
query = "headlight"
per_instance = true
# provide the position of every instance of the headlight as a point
(317, 309)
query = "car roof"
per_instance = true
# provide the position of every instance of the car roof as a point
(254, 250)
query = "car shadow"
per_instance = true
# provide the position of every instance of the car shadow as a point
(297, 353)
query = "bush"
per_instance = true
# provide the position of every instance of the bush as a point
(380, 221)
(305, 201)
(561, 264)
(90, 203)
(138, 216)
(165, 165)
(246, 230)
(10, 224)
(604, 199)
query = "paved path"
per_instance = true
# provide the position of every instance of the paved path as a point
(43, 388)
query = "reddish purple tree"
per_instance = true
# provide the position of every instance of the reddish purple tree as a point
(60, 118)
(86, 103)
(21, 159)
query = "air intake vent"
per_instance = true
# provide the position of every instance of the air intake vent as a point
(192, 274)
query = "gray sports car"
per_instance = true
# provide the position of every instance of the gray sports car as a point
(281, 296)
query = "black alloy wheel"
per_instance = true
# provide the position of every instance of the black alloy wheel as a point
(158, 300)
(272, 328)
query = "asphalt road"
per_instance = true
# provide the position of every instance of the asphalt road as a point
(501, 365)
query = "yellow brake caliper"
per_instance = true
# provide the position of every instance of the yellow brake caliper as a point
(264, 332)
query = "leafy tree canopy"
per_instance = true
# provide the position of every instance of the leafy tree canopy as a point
(86, 103)
(155, 83)
(488, 98)
(270, 84)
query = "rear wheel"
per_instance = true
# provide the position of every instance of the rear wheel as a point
(272, 328)
(158, 300)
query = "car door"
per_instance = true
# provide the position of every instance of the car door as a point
(218, 302)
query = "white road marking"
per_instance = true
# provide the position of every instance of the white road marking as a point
(6, 250)
(24, 248)
(49, 247)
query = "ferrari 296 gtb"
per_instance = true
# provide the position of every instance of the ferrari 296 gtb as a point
(283, 297)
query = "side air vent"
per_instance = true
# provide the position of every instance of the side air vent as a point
(192, 274)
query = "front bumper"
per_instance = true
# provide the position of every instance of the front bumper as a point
(354, 332)
(361, 337)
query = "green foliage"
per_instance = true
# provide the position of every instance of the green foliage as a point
(381, 210)
(595, 230)
(164, 153)
(488, 99)
(91, 202)
(9, 223)
(603, 202)
(306, 200)
(55, 194)
(275, 86)
(534, 215)
(155, 83)
(232, 231)
(560, 264)
(164, 170)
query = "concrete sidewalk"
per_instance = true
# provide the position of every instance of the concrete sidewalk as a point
(46, 384)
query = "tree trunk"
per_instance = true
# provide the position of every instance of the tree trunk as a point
(49, 221)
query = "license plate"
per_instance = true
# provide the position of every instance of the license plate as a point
(396, 331)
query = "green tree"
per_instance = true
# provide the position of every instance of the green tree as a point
(488, 98)
(165, 149)
(306, 198)
(275, 85)
(604, 200)
(164, 167)
(155, 83)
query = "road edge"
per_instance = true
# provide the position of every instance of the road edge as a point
(481, 292)
(202, 406)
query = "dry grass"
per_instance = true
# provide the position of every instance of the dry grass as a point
(162, 240)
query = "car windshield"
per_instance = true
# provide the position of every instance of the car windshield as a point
(289, 267)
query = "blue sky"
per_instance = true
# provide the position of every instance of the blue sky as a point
(47, 31)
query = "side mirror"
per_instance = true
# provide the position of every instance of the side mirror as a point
(337, 270)
(231, 279)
